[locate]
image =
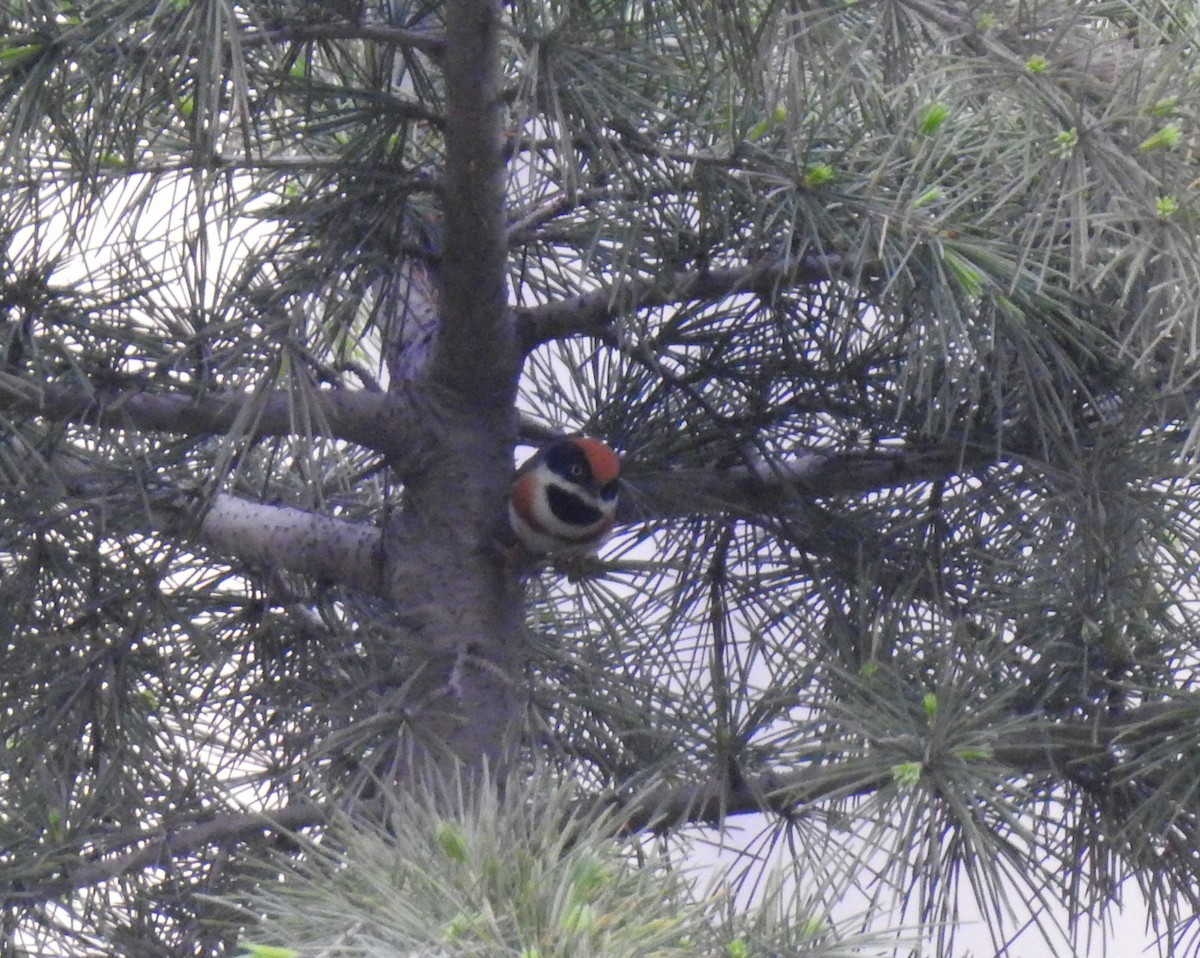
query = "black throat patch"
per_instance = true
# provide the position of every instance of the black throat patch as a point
(571, 509)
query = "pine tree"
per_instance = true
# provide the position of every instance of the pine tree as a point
(890, 308)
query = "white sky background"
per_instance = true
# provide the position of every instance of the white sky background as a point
(158, 231)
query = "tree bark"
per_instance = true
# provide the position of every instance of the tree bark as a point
(444, 562)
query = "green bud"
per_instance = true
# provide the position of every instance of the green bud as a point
(1170, 135)
(932, 117)
(1065, 142)
(252, 950)
(818, 175)
(1166, 207)
(929, 196)
(906, 774)
(968, 277)
(1164, 107)
(453, 842)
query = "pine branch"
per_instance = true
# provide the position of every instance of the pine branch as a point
(282, 537)
(593, 313)
(1076, 751)
(331, 549)
(384, 423)
(337, 550)
(388, 36)
(154, 848)
(765, 486)
(261, 535)
(1047, 748)
(340, 551)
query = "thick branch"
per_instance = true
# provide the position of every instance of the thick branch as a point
(593, 313)
(281, 537)
(442, 560)
(258, 534)
(370, 419)
(336, 550)
(766, 486)
(476, 356)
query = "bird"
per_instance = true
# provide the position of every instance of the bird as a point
(564, 498)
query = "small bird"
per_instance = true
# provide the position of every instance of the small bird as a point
(564, 498)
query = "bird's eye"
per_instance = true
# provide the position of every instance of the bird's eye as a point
(577, 471)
